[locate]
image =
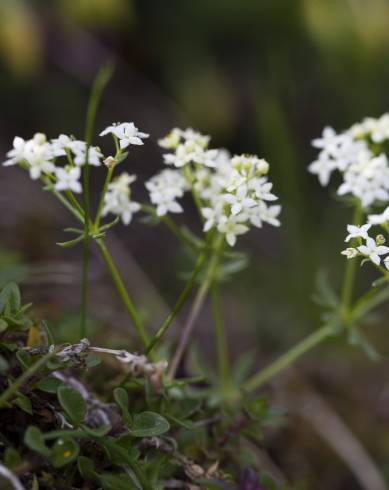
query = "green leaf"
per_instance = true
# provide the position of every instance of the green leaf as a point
(73, 404)
(356, 338)
(121, 398)
(86, 467)
(10, 297)
(149, 424)
(33, 439)
(49, 384)
(111, 481)
(24, 358)
(98, 432)
(50, 336)
(24, 403)
(4, 365)
(3, 325)
(71, 243)
(63, 452)
(11, 457)
(268, 482)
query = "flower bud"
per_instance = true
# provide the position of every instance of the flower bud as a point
(350, 253)
(109, 162)
(40, 138)
(380, 239)
(262, 167)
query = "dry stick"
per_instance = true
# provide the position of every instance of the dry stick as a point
(12, 479)
(196, 308)
(188, 328)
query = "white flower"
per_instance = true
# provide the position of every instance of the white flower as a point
(68, 178)
(350, 253)
(195, 137)
(239, 201)
(373, 251)
(207, 158)
(127, 133)
(262, 189)
(39, 156)
(212, 216)
(118, 198)
(323, 167)
(231, 226)
(17, 154)
(60, 144)
(357, 232)
(171, 140)
(79, 150)
(379, 219)
(329, 140)
(386, 262)
(164, 189)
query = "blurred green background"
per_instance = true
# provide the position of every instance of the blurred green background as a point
(260, 76)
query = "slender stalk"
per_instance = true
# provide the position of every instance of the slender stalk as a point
(23, 378)
(318, 336)
(288, 358)
(99, 84)
(196, 308)
(130, 307)
(177, 307)
(103, 193)
(349, 275)
(221, 340)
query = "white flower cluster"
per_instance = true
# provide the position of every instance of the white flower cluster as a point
(126, 133)
(39, 155)
(233, 193)
(165, 188)
(371, 249)
(118, 201)
(365, 171)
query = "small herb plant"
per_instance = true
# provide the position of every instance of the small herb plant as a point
(151, 428)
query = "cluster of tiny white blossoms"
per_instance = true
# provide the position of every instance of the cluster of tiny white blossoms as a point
(40, 157)
(356, 154)
(118, 201)
(369, 248)
(231, 192)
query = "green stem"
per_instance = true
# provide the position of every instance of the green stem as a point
(196, 307)
(288, 358)
(99, 84)
(23, 378)
(221, 340)
(349, 276)
(177, 307)
(130, 307)
(103, 193)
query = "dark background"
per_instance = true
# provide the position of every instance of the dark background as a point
(261, 77)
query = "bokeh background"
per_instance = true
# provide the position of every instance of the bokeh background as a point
(260, 76)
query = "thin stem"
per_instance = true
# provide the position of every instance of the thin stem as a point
(108, 178)
(196, 308)
(349, 275)
(99, 84)
(288, 358)
(221, 340)
(177, 307)
(130, 307)
(23, 378)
